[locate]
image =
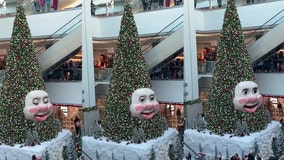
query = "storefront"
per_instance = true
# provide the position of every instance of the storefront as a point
(174, 113)
(274, 105)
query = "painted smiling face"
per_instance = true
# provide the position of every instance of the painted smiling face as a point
(247, 97)
(37, 106)
(144, 104)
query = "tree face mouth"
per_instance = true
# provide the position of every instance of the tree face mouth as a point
(250, 106)
(147, 115)
(41, 117)
(251, 109)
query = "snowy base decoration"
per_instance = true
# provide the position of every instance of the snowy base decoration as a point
(212, 145)
(53, 148)
(102, 149)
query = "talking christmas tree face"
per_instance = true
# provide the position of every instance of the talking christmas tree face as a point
(37, 106)
(247, 97)
(144, 104)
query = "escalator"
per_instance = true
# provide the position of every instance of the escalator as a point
(268, 43)
(271, 41)
(61, 45)
(60, 50)
(165, 50)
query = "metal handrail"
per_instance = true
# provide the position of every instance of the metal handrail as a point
(45, 42)
(162, 31)
(88, 156)
(195, 153)
(265, 26)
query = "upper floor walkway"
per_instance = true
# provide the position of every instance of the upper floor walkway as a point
(148, 23)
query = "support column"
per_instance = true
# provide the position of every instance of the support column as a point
(90, 112)
(192, 105)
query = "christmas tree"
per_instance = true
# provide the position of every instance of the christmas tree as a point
(266, 150)
(22, 75)
(129, 73)
(232, 66)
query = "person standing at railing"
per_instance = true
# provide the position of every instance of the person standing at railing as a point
(161, 3)
(36, 6)
(42, 5)
(168, 3)
(177, 2)
(33, 6)
(47, 5)
(93, 8)
(145, 4)
(55, 4)
(219, 3)
(208, 59)
(155, 4)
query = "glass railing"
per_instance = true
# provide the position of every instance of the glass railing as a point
(168, 73)
(273, 63)
(9, 10)
(206, 67)
(75, 74)
(117, 9)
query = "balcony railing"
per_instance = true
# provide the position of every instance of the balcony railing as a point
(206, 67)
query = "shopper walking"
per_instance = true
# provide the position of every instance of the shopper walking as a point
(280, 110)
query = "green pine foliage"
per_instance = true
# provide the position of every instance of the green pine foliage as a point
(177, 149)
(65, 153)
(71, 149)
(216, 152)
(200, 148)
(280, 142)
(32, 138)
(46, 155)
(97, 155)
(256, 148)
(165, 125)
(171, 152)
(153, 156)
(97, 131)
(274, 146)
(232, 66)
(58, 125)
(241, 129)
(78, 144)
(22, 75)
(138, 136)
(129, 73)
(266, 149)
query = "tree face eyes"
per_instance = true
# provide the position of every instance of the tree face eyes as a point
(254, 90)
(45, 100)
(151, 97)
(35, 101)
(141, 99)
(245, 91)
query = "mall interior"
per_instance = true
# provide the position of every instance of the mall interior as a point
(191, 29)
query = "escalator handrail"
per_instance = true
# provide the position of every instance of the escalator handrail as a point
(263, 25)
(161, 31)
(61, 35)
